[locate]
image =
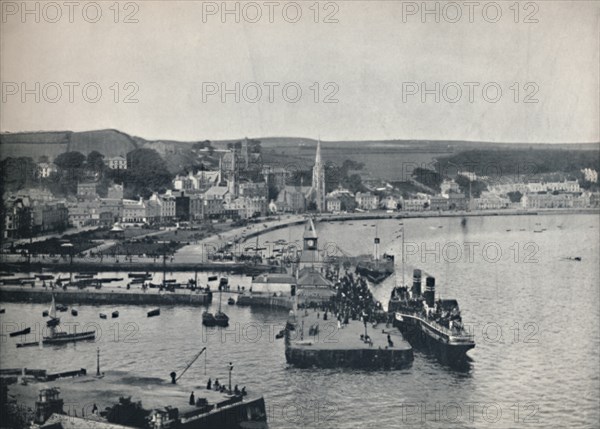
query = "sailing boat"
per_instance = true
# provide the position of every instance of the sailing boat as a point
(54, 321)
(221, 319)
(60, 337)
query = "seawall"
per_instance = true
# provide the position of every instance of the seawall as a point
(283, 302)
(17, 294)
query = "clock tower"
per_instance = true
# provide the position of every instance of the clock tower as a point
(310, 251)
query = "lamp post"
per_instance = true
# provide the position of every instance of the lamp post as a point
(230, 369)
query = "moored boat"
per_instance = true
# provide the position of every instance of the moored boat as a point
(221, 319)
(74, 312)
(155, 312)
(115, 314)
(102, 316)
(208, 319)
(231, 301)
(21, 332)
(435, 324)
(59, 337)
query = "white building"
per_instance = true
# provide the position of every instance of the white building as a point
(117, 163)
(448, 186)
(414, 204)
(333, 204)
(45, 169)
(490, 201)
(134, 211)
(274, 284)
(590, 175)
(366, 200)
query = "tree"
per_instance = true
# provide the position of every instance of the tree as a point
(95, 162)
(147, 172)
(70, 160)
(515, 197)
(17, 173)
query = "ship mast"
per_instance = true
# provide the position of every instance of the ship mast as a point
(402, 232)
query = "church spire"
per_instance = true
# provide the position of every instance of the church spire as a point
(318, 183)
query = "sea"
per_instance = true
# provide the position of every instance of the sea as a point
(528, 288)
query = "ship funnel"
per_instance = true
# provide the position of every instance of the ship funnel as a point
(416, 287)
(429, 291)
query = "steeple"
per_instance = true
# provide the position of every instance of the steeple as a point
(318, 180)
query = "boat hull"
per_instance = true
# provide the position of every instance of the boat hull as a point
(422, 336)
(63, 339)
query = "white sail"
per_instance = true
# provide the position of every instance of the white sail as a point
(52, 309)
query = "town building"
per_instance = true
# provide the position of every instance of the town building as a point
(414, 204)
(45, 169)
(292, 199)
(334, 205)
(367, 200)
(275, 284)
(86, 190)
(117, 163)
(449, 186)
(134, 211)
(491, 201)
(590, 175)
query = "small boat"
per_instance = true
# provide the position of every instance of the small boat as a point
(102, 316)
(21, 332)
(115, 314)
(62, 308)
(221, 319)
(155, 312)
(2, 310)
(139, 275)
(45, 313)
(508, 230)
(212, 278)
(54, 321)
(74, 312)
(208, 319)
(224, 281)
(57, 338)
(84, 276)
(231, 301)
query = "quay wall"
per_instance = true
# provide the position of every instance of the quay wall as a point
(61, 266)
(103, 297)
(349, 358)
(283, 302)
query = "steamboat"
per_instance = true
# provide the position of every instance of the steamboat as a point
(374, 268)
(433, 324)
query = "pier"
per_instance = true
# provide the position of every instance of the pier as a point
(319, 343)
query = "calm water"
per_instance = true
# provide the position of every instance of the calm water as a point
(536, 327)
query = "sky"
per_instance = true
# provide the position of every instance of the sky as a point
(344, 70)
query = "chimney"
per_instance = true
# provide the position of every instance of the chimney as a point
(416, 287)
(429, 291)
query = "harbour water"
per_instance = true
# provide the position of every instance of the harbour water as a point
(533, 312)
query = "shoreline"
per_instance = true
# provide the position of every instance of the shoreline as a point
(193, 257)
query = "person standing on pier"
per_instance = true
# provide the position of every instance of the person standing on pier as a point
(192, 399)
(209, 384)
